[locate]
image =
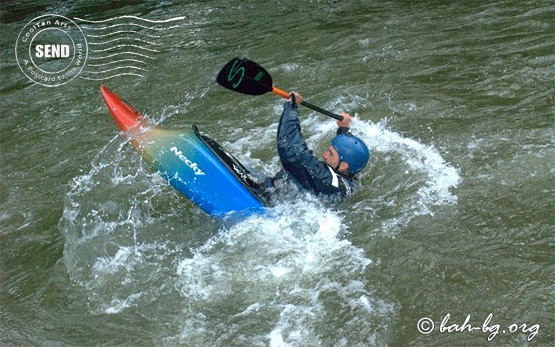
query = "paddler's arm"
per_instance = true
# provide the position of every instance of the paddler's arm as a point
(290, 141)
(344, 124)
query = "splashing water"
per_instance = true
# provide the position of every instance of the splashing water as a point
(440, 176)
(280, 279)
(274, 280)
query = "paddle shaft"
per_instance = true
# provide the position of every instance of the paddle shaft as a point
(285, 95)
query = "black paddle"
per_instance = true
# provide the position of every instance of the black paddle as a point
(245, 76)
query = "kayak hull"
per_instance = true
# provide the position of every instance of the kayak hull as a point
(193, 164)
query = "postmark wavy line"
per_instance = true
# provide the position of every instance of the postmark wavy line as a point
(118, 61)
(131, 24)
(110, 77)
(135, 35)
(121, 53)
(118, 68)
(120, 46)
(128, 32)
(122, 39)
(131, 17)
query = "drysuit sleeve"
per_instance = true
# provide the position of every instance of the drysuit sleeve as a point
(299, 161)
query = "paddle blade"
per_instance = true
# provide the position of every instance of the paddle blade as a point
(245, 76)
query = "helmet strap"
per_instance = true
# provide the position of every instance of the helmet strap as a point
(338, 165)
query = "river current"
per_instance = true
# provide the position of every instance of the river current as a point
(450, 240)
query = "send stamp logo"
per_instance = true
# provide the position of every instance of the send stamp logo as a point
(51, 50)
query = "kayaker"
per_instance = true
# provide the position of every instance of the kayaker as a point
(335, 175)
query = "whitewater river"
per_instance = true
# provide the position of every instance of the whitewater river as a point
(449, 242)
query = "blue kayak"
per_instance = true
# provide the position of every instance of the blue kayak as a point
(193, 164)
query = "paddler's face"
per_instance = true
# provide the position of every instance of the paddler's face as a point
(331, 157)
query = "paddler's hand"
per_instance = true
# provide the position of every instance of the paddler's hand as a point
(346, 121)
(297, 97)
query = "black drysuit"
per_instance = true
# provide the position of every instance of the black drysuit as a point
(302, 166)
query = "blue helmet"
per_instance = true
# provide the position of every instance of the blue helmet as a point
(351, 150)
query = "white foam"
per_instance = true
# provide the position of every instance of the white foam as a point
(420, 159)
(276, 338)
(282, 267)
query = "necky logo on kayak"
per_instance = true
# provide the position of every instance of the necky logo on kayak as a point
(189, 163)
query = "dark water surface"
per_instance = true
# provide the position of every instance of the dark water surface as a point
(449, 242)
